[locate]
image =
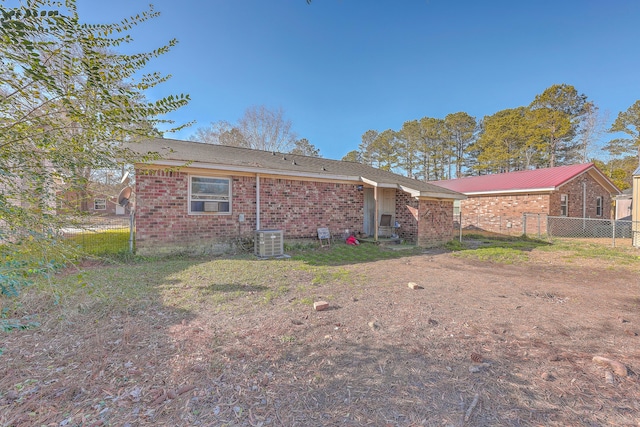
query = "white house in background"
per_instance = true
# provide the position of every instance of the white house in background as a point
(635, 208)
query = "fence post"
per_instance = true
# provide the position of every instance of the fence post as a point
(539, 236)
(131, 225)
(613, 237)
(460, 220)
(524, 224)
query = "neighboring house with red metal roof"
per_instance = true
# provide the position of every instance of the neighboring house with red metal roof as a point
(498, 202)
(202, 196)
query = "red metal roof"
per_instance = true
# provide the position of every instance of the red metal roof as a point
(538, 179)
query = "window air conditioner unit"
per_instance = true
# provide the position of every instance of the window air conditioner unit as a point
(211, 206)
(269, 243)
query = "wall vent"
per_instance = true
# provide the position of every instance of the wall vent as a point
(269, 243)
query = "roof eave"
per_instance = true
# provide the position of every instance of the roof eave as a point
(518, 191)
(251, 169)
(451, 196)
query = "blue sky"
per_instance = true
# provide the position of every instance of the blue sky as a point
(341, 67)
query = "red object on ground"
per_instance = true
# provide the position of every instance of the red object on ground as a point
(351, 240)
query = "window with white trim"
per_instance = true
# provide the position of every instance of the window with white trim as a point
(564, 205)
(99, 204)
(599, 206)
(209, 195)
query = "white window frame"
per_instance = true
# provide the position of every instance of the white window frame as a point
(599, 206)
(212, 200)
(100, 201)
(564, 203)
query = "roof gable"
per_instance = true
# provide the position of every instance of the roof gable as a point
(221, 157)
(547, 179)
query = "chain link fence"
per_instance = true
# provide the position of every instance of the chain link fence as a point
(615, 232)
(542, 226)
(501, 224)
(98, 235)
(102, 234)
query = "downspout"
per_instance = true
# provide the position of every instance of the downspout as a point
(257, 201)
(375, 221)
(584, 205)
(584, 199)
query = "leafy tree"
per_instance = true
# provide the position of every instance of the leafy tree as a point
(557, 113)
(407, 148)
(628, 122)
(430, 148)
(366, 146)
(505, 143)
(67, 104)
(352, 156)
(305, 148)
(383, 150)
(619, 170)
(460, 132)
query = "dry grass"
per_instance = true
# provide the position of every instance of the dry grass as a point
(236, 342)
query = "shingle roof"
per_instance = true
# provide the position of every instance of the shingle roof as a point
(177, 152)
(530, 180)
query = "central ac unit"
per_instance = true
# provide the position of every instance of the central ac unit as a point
(269, 243)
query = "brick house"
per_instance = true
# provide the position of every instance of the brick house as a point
(200, 197)
(94, 202)
(497, 202)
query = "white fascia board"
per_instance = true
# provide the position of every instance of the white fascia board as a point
(368, 181)
(528, 190)
(605, 179)
(443, 195)
(411, 191)
(378, 184)
(416, 193)
(249, 169)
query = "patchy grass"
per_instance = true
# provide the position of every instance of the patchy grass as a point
(236, 341)
(500, 249)
(496, 254)
(343, 254)
(572, 249)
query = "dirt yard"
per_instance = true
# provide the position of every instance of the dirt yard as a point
(477, 344)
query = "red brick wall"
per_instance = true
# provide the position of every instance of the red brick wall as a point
(435, 225)
(574, 190)
(301, 207)
(501, 214)
(297, 207)
(407, 216)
